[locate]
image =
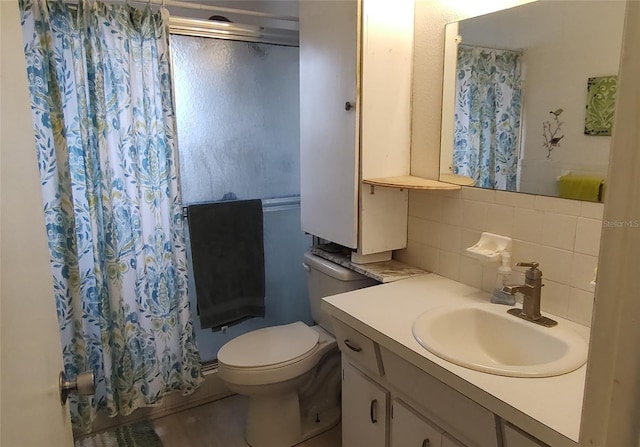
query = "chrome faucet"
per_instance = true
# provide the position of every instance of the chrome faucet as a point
(532, 291)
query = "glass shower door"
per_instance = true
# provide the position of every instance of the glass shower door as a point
(237, 114)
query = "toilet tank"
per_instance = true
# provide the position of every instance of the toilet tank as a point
(326, 278)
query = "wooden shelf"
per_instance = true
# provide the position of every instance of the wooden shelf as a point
(410, 182)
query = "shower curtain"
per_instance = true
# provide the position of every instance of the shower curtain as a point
(103, 114)
(487, 116)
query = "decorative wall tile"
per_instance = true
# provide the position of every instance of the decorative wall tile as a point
(413, 254)
(450, 211)
(555, 298)
(559, 206)
(562, 235)
(527, 224)
(449, 265)
(474, 214)
(468, 238)
(423, 231)
(522, 251)
(424, 204)
(430, 259)
(592, 210)
(588, 236)
(515, 199)
(478, 194)
(559, 231)
(470, 272)
(556, 264)
(500, 219)
(451, 193)
(582, 272)
(450, 238)
(415, 228)
(581, 307)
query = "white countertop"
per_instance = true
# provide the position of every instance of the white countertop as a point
(548, 408)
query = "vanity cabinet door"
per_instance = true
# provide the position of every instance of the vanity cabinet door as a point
(408, 429)
(448, 441)
(514, 437)
(364, 410)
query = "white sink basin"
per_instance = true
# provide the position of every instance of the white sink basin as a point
(485, 338)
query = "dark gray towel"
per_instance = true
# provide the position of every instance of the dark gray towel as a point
(227, 251)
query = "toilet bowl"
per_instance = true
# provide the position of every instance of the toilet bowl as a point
(291, 372)
(276, 368)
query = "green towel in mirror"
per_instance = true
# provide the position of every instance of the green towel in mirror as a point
(581, 187)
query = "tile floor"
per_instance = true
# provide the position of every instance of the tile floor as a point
(220, 424)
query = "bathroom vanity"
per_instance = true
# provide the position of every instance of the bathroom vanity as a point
(396, 393)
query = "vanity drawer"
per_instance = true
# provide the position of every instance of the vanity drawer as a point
(359, 348)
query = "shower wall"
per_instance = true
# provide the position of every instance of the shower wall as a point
(237, 114)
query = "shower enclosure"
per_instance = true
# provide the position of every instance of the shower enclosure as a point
(237, 113)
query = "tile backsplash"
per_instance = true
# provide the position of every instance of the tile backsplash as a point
(562, 235)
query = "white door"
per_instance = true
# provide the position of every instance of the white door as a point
(364, 410)
(29, 337)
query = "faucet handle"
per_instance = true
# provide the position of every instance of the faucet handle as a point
(533, 265)
(533, 272)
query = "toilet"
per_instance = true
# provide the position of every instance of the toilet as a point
(291, 373)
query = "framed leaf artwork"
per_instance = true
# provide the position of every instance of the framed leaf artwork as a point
(601, 102)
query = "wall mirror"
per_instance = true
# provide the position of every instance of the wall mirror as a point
(529, 95)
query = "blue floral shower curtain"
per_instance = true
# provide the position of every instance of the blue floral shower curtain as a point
(487, 116)
(103, 114)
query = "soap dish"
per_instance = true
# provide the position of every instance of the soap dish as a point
(489, 247)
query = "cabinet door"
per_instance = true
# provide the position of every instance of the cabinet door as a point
(469, 422)
(514, 437)
(364, 410)
(329, 156)
(408, 429)
(385, 145)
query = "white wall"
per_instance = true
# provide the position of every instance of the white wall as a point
(586, 53)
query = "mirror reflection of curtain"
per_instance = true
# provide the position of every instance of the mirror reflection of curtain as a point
(487, 116)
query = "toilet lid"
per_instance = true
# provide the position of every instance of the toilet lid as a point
(269, 346)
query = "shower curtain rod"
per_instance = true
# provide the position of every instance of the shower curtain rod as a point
(486, 47)
(220, 9)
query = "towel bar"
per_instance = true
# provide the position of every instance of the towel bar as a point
(272, 204)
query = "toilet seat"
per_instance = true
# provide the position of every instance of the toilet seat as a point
(271, 355)
(275, 345)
